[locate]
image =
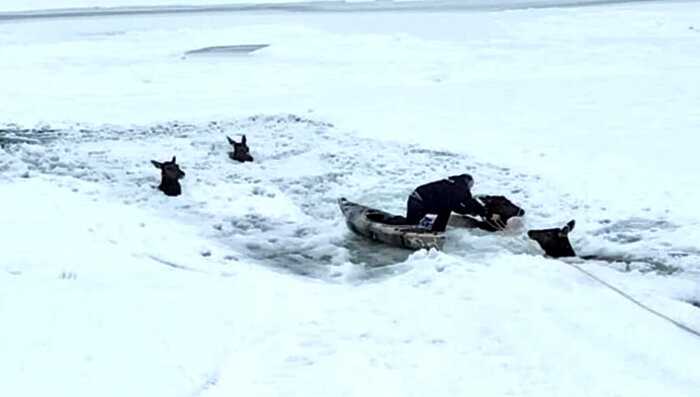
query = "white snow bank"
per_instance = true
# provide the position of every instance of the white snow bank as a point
(87, 311)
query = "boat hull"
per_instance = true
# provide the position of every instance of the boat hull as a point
(386, 228)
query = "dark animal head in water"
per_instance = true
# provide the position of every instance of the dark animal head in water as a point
(241, 151)
(554, 242)
(495, 205)
(501, 206)
(170, 173)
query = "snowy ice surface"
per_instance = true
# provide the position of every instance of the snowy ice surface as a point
(250, 284)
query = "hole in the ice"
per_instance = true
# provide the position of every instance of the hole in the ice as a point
(642, 264)
(624, 238)
(371, 254)
(310, 245)
(321, 260)
(628, 230)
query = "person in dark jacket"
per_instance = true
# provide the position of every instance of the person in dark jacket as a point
(441, 198)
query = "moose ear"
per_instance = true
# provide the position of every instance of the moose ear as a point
(157, 164)
(173, 160)
(243, 140)
(230, 141)
(569, 227)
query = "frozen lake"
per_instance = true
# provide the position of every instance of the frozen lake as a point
(250, 283)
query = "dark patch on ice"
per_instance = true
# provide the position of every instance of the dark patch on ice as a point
(11, 138)
(68, 276)
(171, 264)
(252, 223)
(645, 264)
(371, 254)
(624, 238)
(633, 225)
(299, 360)
(629, 231)
(228, 49)
(665, 258)
(110, 33)
(302, 260)
(695, 303)
(13, 134)
(300, 255)
(433, 153)
(210, 381)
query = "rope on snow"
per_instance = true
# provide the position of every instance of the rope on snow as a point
(636, 302)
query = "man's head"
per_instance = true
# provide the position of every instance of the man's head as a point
(469, 181)
(462, 178)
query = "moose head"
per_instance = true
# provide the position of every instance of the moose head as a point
(499, 210)
(170, 173)
(241, 151)
(502, 207)
(555, 242)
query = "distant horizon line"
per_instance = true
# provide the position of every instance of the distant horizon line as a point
(312, 6)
